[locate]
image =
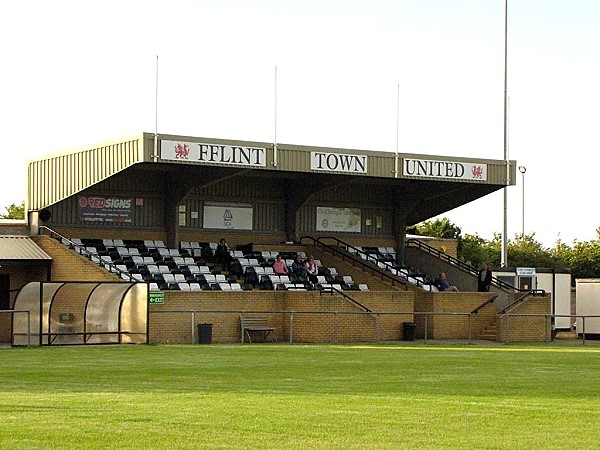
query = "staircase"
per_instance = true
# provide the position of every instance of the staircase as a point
(489, 333)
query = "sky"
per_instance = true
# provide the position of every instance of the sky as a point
(426, 76)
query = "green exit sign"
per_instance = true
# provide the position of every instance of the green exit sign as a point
(157, 298)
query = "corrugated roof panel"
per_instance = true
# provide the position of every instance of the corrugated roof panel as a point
(20, 248)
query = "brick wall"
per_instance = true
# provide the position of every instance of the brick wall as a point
(311, 317)
(449, 326)
(528, 329)
(69, 266)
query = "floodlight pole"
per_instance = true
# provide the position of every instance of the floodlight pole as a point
(397, 131)
(523, 169)
(504, 253)
(155, 154)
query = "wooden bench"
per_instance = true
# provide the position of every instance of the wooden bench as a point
(251, 325)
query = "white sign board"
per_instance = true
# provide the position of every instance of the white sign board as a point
(213, 153)
(338, 219)
(228, 216)
(338, 162)
(525, 271)
(444, 169)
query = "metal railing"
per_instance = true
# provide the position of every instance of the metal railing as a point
(548, 320)
(330, 290)
(460, 264)
(364, 260)
(290, 324)
(93, 257)
(12, 312)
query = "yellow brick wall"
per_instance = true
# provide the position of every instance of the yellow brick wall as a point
(528, 329)
(69, 266)
(450, 326)
(314, 316)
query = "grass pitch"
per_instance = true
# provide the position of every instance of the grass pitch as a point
(282, 396)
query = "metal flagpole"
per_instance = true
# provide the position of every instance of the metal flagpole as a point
(397, 131)
(275, 124)
(504, 255)
(155, 155)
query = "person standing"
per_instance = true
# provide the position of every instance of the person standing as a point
(222, 255)
(484, 279)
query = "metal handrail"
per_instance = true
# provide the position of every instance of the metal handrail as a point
(521, 299)
(460, 264)
(487, 302)
(84, 252)
(332, 289)
(369, 262)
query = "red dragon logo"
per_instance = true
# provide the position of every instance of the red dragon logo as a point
(182, 151)
(477, 172)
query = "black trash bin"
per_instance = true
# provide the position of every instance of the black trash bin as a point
(409, 330)
(205, 333)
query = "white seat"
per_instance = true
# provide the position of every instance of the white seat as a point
(210, 278)
(138, 260)
(332, 271)
(179, 261)
(189, 261)
(284, 279)
(159, 244)
(259, 270)
(244, 262)
(137, 276)
(169, 278)
(363, 287)
(154, 287)
(162, 251)
(195, 245)
(204, 269)
(174, 252)
(123, 251)
(92, 250)
(195, 287)
(253, 262)
(134, 251)
(164, 269)
(348, 279)
(184, 286)
(108, 243)
(149, 244)
(269, 271)
(118, 243)
(236, 287)
(225, 286)
(220, 278)
(321, 279)
(148, 260)
(238, 254)
(193, 269)
(185, 245)
(180, 278)
(152, 268)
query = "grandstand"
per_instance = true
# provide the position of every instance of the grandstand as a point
(125, 211)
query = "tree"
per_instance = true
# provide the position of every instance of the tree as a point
(475, 250)
(14, 211)
(525, 251)
(441, 228)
